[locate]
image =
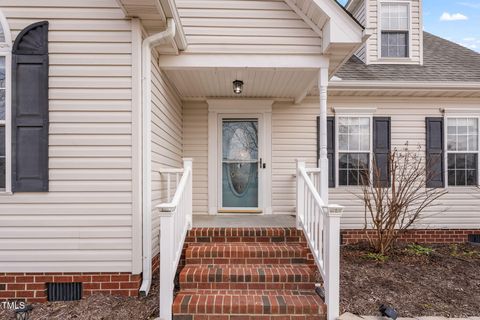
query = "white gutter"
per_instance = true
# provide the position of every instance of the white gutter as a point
(403, 85)
(147, 46)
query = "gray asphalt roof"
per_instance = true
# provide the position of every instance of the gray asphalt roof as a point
(443, 61)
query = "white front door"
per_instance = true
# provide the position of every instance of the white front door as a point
(241, 163)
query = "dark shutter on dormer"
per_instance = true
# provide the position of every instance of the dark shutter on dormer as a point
(434, 153)
(330, 149)
(381, 151)
(30, 109)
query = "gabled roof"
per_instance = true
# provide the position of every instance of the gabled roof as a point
(443, 61)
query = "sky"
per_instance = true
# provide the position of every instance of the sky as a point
(454, 20)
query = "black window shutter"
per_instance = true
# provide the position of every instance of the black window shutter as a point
(330, 149)
(30, 109)
(435, 149)
(381, 150)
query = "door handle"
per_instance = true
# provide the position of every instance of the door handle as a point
(262, 164)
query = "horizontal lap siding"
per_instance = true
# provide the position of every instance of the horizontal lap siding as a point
(245, 26)
(167, 140)
(196, 146)
(360, 13)
(294, 136)
(85, 222)
(457, 209)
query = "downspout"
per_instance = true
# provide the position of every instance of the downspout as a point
(148, 44)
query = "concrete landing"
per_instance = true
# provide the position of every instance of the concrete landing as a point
(243, 220)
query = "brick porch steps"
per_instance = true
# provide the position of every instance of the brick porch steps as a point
(245, 235)
(248, 302)
(246, 253)
(247, 274)
(293, 277)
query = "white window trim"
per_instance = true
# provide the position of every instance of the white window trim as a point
(366, 113)
(459, 115)
(379, 33)
(6, 51)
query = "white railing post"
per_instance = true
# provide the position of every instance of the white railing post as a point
(166, 264)
(332, 260)
(323, 163)
(188, 165)
(300, 194)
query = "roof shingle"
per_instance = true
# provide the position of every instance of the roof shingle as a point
(443, 61)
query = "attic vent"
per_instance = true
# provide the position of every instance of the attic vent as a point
(64, 291)
(474, 238)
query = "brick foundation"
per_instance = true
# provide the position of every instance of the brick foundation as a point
(427, 236)
(31, 287)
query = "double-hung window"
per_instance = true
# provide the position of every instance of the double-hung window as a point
(5, 58)
(462, 151)
(354, 150)
(395, 26)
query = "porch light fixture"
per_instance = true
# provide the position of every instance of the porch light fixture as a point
(237, 86)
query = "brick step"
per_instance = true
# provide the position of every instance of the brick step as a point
(290, 277)
(243, 253)
(248, 302)
(263, 235)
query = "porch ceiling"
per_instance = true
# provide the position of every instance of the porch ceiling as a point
(200, 84)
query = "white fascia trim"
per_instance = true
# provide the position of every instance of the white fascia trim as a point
(147, 46)
(451, 112)
(186, 61)
(403, 85)
(354, 111)
(240, 106)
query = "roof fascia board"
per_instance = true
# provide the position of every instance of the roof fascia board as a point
(198, 61)
(404, 85)
(306, 19)
(341, 27)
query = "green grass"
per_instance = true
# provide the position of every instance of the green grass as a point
(376, 257)
(419, 250)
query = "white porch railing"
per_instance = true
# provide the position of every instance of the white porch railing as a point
(321, 225)
(175, 221)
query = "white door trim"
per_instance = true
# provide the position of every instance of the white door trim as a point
(240, 108)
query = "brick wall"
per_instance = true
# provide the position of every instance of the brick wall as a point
(418, 236)
(31, 287)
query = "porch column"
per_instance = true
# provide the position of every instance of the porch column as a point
(322, 87)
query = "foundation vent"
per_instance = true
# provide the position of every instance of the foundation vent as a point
(64, 291)
(474, 239)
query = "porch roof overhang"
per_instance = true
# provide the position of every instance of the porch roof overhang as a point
(204, 75)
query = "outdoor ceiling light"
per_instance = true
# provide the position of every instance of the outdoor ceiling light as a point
(237, 86)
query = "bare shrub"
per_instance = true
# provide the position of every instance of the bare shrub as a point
(391, 210)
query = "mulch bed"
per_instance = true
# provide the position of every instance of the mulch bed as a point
(445, 282)
(97, 307)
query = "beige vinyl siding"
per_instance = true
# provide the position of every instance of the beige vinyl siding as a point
(459, 208)
(167, 140)
(294, 136)
(360, 13)
(85, 222)
(416, 31)
(195, 128)
(245, 26)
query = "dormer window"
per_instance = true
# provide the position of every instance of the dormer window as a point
(395, 26)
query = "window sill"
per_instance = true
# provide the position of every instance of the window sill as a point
(6, 193)
(396, 61)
